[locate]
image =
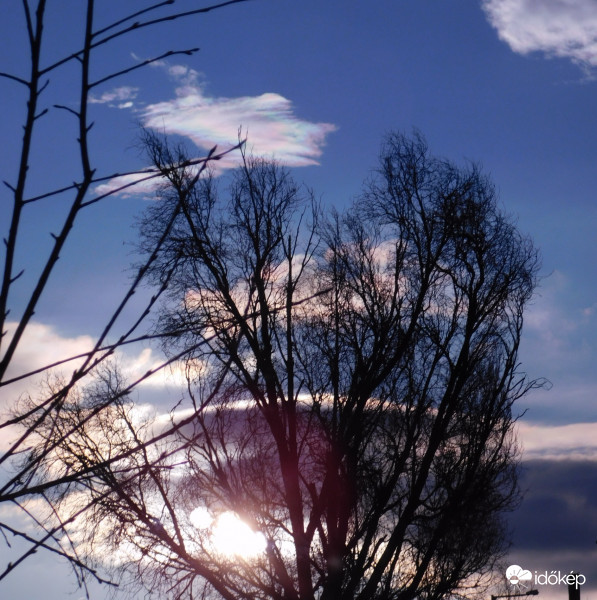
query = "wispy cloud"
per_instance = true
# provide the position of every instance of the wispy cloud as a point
(128, 185)
(559, 343)
(121, 97)
(558, 28)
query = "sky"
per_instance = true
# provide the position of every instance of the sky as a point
(509, 84)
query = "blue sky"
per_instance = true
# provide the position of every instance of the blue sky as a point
(511, 84)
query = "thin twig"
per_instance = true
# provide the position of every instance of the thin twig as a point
(149, 61)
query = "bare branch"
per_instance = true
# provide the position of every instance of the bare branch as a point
(143, 64)
(14, 78)
(138, 26)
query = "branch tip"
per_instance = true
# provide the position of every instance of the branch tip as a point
(13, 279)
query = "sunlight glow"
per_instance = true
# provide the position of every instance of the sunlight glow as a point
(233, 537)
(229, 534)
(200, 518)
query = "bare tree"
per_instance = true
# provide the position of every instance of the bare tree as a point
(351, 382)
(24, 475)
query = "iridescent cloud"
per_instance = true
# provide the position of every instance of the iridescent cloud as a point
(268, 120)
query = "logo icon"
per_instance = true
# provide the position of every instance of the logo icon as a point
(518, 577)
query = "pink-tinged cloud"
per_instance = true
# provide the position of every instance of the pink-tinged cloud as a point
(560, 28)
(268, 120)
(558, 442)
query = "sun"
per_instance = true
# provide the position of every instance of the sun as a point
(230, 536)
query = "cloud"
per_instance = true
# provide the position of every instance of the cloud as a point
(120, 97)
(575, 441)
(559, 343)
(558, 511)
(43, 345)
(132, 184)
(40, 345)
(558, 28)
(554, 527)
(269, 120)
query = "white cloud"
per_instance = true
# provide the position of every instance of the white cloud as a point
(123, 96)
(181, 71)
(41, 345)
(558, 28)
(128, 185)
(550, 322)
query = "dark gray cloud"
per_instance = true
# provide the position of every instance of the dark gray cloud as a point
(559, 510)
(555, 528)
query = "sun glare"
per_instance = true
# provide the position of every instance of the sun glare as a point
(229, 534)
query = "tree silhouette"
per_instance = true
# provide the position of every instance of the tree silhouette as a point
(350, 384)
(24, 478)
